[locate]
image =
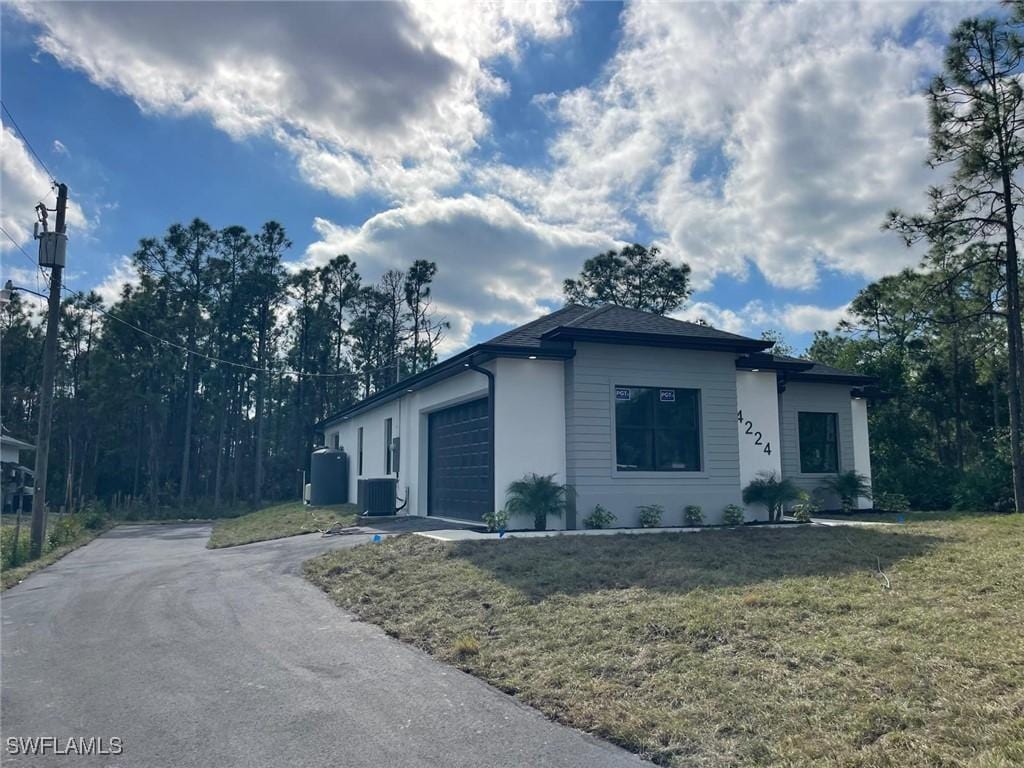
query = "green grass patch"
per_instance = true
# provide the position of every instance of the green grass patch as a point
(878, 647)
(278, 521)
(11, 575)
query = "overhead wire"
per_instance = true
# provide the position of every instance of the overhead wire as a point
(92, 306)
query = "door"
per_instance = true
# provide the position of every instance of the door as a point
(459, 461)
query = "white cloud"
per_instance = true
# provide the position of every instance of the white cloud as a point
(756, 316)
(371, 96)
(60, 149)
(751, 133)
(23, 184)
(113, 284)
(495, 264)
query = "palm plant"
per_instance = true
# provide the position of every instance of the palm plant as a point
(773, 493)
(537, 495)
(848, 486)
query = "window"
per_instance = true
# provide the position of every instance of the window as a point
(657, 429)
(359, 451)
(387, 446)
(819, 450)
(337, 439)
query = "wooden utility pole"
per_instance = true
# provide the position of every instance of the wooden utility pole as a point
(52, 248)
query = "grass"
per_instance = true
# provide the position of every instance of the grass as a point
(276, 522)
(746, 647)
(10, 576)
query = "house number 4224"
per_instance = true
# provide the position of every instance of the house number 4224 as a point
(766, 446)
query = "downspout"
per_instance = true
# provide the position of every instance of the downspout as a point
(490, 430)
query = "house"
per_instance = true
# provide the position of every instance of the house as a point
(15, 479)
(628, 407)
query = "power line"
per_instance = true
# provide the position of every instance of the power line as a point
(28, 143)
(284, 371)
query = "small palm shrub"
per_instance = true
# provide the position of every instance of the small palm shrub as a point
(599, 518)
(496, 520)
(693, 515)
(650, 515)
(733, 514)
(804, 511)
(892, 502)
(537, 495)
(848, 486)
(772, 492)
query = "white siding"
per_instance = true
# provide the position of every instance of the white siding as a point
(861, 446)
(758, 400)
(529, 412)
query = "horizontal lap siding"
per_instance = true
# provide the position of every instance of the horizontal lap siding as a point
(821, 398)
(590, 446)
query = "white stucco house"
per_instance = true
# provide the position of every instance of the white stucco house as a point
(629, 408)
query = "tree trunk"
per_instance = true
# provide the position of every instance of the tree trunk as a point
(257, 492)
(1015, 345)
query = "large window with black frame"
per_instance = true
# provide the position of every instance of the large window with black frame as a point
(819, 442)
(657, 429)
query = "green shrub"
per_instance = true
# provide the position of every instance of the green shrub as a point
(773, 493)
(650, 515)
(693, 515)
(93, 517)
(14, 552)
(892, 502)
(804, 511)
(599, 518)
(537, 495)
(64, 531)
(733, 514)
(848, 486)
(497, 520)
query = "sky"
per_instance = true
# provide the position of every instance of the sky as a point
(762, 144)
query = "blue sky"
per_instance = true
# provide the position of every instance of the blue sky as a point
(761, 144)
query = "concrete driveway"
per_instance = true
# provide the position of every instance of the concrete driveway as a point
(196, 657)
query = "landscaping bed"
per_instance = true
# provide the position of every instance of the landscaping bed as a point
(809, 646)
(277, 522)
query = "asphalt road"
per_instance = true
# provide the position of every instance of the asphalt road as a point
(219, 658)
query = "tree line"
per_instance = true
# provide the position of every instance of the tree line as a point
(204, 381)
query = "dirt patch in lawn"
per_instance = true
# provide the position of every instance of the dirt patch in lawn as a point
(899, 646)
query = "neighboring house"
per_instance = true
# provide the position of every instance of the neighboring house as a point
(15, 479)
(627, 407)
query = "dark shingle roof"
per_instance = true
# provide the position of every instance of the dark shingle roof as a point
(822, 371)
(528, 335)
(576, 321)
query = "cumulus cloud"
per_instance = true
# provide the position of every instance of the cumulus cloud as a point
(495, 264)
(756, 316)
(23, 184)
(751, 133)
(368, 96)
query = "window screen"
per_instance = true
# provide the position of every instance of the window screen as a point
(657, 429)
(387, 446)
(819, 449)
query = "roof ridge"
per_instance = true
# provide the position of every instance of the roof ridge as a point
(594, 312)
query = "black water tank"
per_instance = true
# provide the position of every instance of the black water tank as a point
(377, 496)
(328, 477)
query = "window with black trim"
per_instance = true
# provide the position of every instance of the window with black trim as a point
(819, 442)
(337, 440)
(387, 446)
(359, 451)
(657, 429)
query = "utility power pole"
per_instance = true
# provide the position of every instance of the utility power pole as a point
(52, 251)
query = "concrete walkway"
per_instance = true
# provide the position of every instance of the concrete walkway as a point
(228, 657)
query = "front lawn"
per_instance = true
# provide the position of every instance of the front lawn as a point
(807, 646)
(278, 521)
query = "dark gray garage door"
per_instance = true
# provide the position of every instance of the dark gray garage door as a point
(458, 483)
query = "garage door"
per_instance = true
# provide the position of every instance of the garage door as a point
(458, 482)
